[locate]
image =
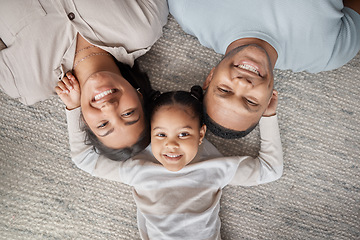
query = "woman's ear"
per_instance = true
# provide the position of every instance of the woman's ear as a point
(202, 133)
(140, 94)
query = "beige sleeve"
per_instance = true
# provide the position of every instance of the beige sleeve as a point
(268, 166)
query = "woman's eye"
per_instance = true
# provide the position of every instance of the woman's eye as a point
(184, 134)
(223, 90)
(128, 114)
(103, 125)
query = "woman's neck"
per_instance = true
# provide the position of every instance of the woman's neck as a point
(90, 59)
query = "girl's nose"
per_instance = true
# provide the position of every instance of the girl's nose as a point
(171, 143)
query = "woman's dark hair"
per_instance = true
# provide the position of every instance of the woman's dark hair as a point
(192, 99)
(140, 81)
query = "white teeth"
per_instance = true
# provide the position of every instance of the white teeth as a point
(172, 156)
(249, 68)
(103, 94)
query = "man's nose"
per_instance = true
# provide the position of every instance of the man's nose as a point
(244, 82)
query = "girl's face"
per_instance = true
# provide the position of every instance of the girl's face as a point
(112, 109)
(175, 136)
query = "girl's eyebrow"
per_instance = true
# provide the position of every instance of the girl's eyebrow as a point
(155, 128)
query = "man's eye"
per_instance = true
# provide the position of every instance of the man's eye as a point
(251, 102)
(223, 90)
(184, 134)
(103, 125)
(128, 114)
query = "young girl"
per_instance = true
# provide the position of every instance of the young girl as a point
(177, 188)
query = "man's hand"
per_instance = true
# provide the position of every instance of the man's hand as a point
(68, 89)
(271, 109)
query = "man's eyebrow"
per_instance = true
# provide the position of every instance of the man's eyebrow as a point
(247, 107)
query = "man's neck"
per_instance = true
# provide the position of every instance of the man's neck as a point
(265, 45)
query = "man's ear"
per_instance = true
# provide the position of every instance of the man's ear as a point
(202, 133)
(208, 79)
(272, 105)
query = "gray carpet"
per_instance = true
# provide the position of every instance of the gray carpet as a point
(44, 196)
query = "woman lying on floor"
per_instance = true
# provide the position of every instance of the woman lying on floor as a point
(98, 42)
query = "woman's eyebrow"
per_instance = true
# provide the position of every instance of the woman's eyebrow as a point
(132, 122)
(127, 124)
(107, 133)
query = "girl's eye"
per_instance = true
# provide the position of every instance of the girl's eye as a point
(184, 134)
(103, 125)
(223, 90)
(160, 135)
(128, 114)
(251, 102)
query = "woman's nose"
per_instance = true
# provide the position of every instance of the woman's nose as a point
(109, 105)
(110, 109)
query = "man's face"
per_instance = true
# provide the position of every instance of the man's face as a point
(239, 88)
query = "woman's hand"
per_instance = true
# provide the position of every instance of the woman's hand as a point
(68, 89)
(271, 109)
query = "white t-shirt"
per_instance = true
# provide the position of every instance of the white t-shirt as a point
(183, 204)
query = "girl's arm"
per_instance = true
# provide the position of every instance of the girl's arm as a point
(84, 156)
(268, 166)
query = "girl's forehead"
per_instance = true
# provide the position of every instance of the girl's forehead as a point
(171, 108)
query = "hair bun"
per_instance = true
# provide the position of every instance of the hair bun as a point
(197, 92)
(154, 95)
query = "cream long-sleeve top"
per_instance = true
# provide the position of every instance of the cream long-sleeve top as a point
(183, 204)
(40, 36)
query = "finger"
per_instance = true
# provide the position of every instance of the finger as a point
(58, 90)
(63, 87)
(67, 82)
(73, 81)
(275, 93)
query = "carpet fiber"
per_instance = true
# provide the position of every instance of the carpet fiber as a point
(45, 196)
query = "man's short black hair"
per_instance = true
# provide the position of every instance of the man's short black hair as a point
(223, 132)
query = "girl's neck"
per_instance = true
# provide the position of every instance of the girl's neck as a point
(90, 59)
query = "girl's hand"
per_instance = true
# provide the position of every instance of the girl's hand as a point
(68, 89)
(271, 109)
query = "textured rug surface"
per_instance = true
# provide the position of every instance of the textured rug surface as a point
(43, 195)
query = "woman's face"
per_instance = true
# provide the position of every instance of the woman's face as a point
(175, 136)
(112, 109)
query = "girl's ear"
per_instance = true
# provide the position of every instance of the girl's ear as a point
(202, 133)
